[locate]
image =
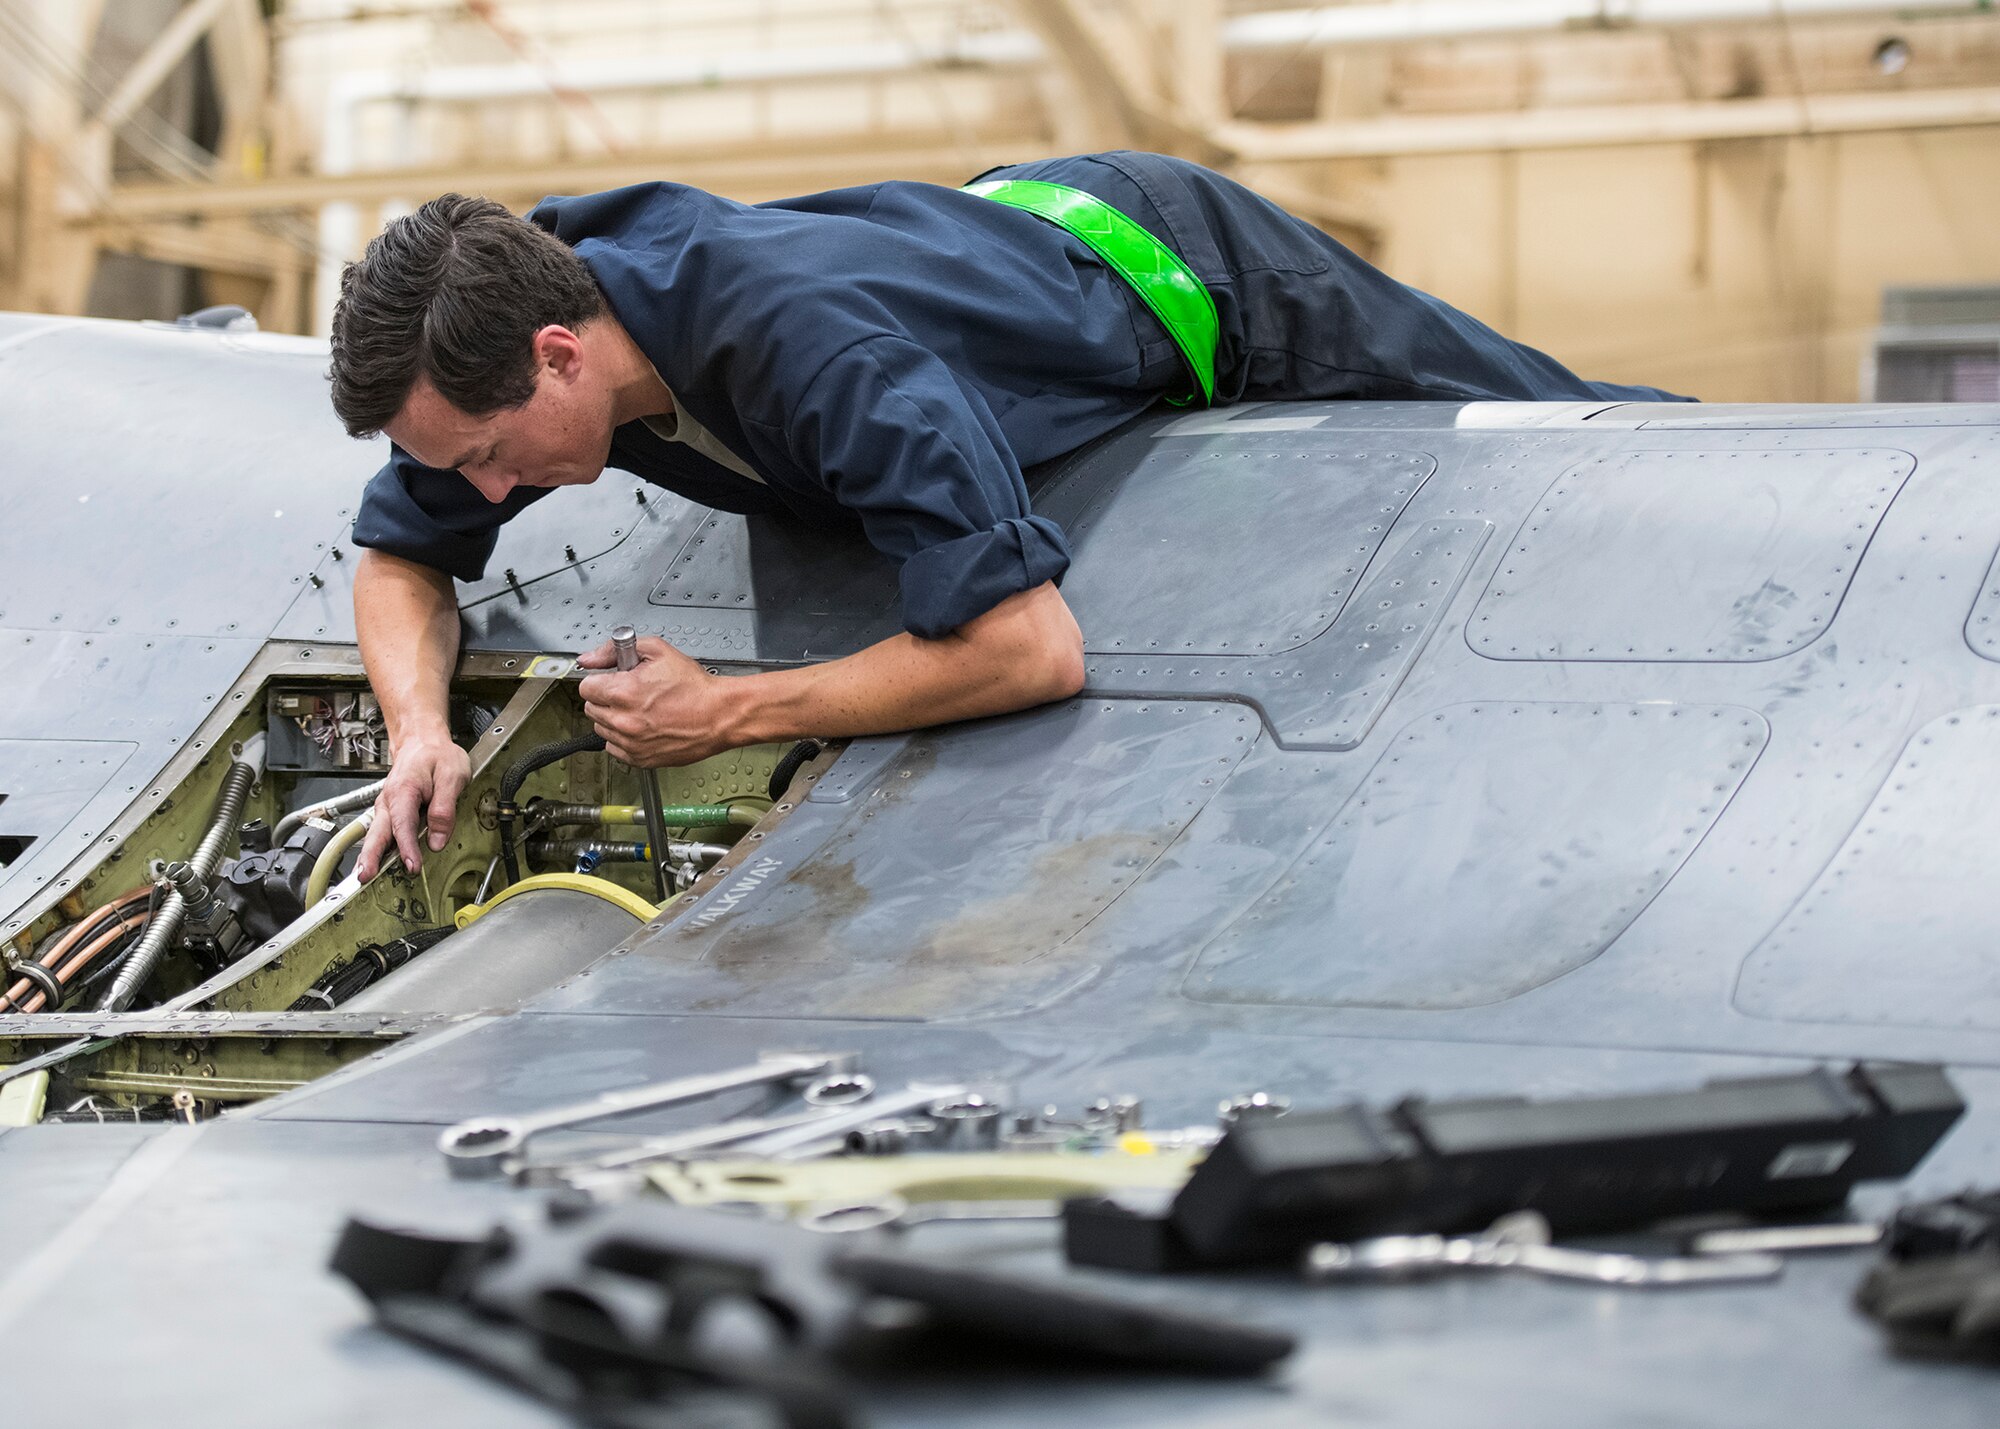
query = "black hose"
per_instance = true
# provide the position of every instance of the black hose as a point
(517, 774)
(795, 759)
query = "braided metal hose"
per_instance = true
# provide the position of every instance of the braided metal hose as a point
(247, 763)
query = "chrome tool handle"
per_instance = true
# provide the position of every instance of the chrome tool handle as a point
(477, 1147)
(625, 643)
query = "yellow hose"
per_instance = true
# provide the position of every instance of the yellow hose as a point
(329, 860)
(569, 882)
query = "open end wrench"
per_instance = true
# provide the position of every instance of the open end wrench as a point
(477, 1147)
(827, 1134)
(625, 642)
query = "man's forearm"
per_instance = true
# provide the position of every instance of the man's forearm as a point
(406, 620)
(1027, 651)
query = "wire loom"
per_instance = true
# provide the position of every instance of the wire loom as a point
(371, 963)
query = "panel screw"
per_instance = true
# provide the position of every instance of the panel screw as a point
(313, 576)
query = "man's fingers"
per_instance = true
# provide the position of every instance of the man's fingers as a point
(444, 806)
(651, 647)
(608, 720)
(406, 816)
(604, 657)
(372, 845)
(597, 687)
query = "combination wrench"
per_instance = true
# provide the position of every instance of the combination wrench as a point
(477, 1147)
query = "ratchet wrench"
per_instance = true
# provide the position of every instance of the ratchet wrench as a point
(478, 1147)
(625, 641)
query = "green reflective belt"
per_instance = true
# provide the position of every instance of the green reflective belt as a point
(1154, 271)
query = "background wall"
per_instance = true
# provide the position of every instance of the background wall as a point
(1714, 207)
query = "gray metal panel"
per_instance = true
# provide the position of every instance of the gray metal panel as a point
(253, 1214)
(520, 949)
(1902, 926)
(1328, 693)
(253, 1207)
(1982, 626)
(219, 1237)
(559, 604)
(64, 692)
(857, 768)
(806, 592)
(1494, 848)
(190, 455)
(45, 784)
(594, 521)
(940, 892)
(1272, 541)
(1676, 416)
(1696, 556)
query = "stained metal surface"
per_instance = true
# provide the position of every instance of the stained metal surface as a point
(943, 892)
(1058, 901)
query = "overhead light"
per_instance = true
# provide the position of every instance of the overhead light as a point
(1892, 56)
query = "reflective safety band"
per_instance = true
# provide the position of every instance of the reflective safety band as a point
(1155, 272)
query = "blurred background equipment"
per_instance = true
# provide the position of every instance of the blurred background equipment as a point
(1714, 196)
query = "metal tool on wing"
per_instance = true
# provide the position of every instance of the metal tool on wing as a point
(482, 1146)
(625, 643)
(526, 1299)
(1418, 1170)
(1522, 1242)
(848, 1193)
(836, 1105)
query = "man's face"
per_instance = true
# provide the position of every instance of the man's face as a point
(560, 437)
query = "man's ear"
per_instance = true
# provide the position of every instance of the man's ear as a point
(559, 351)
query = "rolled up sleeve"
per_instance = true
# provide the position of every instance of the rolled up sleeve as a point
(891, 434)
(434, 517)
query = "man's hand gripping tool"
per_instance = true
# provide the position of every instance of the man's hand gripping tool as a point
(625, 641)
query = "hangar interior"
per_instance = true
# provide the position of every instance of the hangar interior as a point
(1429, 756)
(1738, 183)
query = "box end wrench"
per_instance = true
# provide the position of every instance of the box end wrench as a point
(477, 1147)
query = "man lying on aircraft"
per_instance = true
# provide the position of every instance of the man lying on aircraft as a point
(890, 356)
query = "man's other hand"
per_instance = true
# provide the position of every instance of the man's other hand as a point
(666, 711)
(418, 805)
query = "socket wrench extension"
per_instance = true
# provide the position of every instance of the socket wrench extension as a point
(477, 1147)
(625, 642)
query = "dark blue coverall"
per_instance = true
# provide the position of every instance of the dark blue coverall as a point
(896, 353)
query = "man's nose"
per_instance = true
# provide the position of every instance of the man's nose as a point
(492, 483)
